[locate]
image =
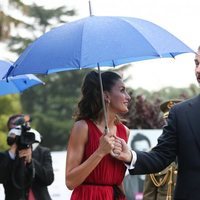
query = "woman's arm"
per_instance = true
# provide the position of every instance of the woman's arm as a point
(76, 171)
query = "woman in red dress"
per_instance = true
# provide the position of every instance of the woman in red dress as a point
(91, 170)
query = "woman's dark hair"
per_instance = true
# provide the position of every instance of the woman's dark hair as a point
(90, 105)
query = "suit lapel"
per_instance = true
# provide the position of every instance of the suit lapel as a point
(193, 114)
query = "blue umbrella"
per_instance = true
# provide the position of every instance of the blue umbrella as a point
(15, 84)
(97, 41)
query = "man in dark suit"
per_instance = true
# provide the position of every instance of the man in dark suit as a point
(25, 173)
(181, 139)
(160, 186)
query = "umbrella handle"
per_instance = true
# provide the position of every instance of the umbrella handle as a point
(106, 129)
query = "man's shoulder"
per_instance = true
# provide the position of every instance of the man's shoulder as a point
(4, 158)
(187, 102)
(4, 153)
(42, 148)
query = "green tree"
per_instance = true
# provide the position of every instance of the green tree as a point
(39, 21)
(144, 113)
(7, 20)
(9, 105)
(44, 20)
(144, 110)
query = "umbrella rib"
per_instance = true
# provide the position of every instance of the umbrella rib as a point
(126, 21)
(81, 46)
(20, 59)
(113, 63)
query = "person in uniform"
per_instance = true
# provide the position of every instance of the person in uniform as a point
(160, 186)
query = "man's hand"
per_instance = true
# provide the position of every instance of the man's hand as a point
(26, 154)
(121, 149)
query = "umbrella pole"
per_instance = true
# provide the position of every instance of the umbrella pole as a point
(103, 102)
(90, 8)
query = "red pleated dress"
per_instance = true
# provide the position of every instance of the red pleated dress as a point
(99, 185)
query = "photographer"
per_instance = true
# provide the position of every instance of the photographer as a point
(26, 168)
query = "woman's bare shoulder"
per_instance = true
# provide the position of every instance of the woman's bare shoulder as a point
(81, 124)
(80, 129)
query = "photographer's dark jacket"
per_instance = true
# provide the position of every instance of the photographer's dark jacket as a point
(37, 175)
(15, 177)
(44, 175)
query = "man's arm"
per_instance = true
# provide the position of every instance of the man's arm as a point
(158, 158)
(44, 174)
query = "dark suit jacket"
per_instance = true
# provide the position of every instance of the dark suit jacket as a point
(181, 138)
(15, 177)
(38, 175)
(44, 175)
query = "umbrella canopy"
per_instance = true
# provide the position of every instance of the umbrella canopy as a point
(94, 42)
(97, 41)
(15, 84)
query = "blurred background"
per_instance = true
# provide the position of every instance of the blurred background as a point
(53, 104)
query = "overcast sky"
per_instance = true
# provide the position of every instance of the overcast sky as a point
(180, 17)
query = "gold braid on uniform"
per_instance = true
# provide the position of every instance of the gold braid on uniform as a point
(167, 177)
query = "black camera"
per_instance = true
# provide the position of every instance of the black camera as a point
(26, 138)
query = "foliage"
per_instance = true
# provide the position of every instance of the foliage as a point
(9, 105)
(144, 110)
(44, 19)
(34, 21)
(7, 20)
(144, 113)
